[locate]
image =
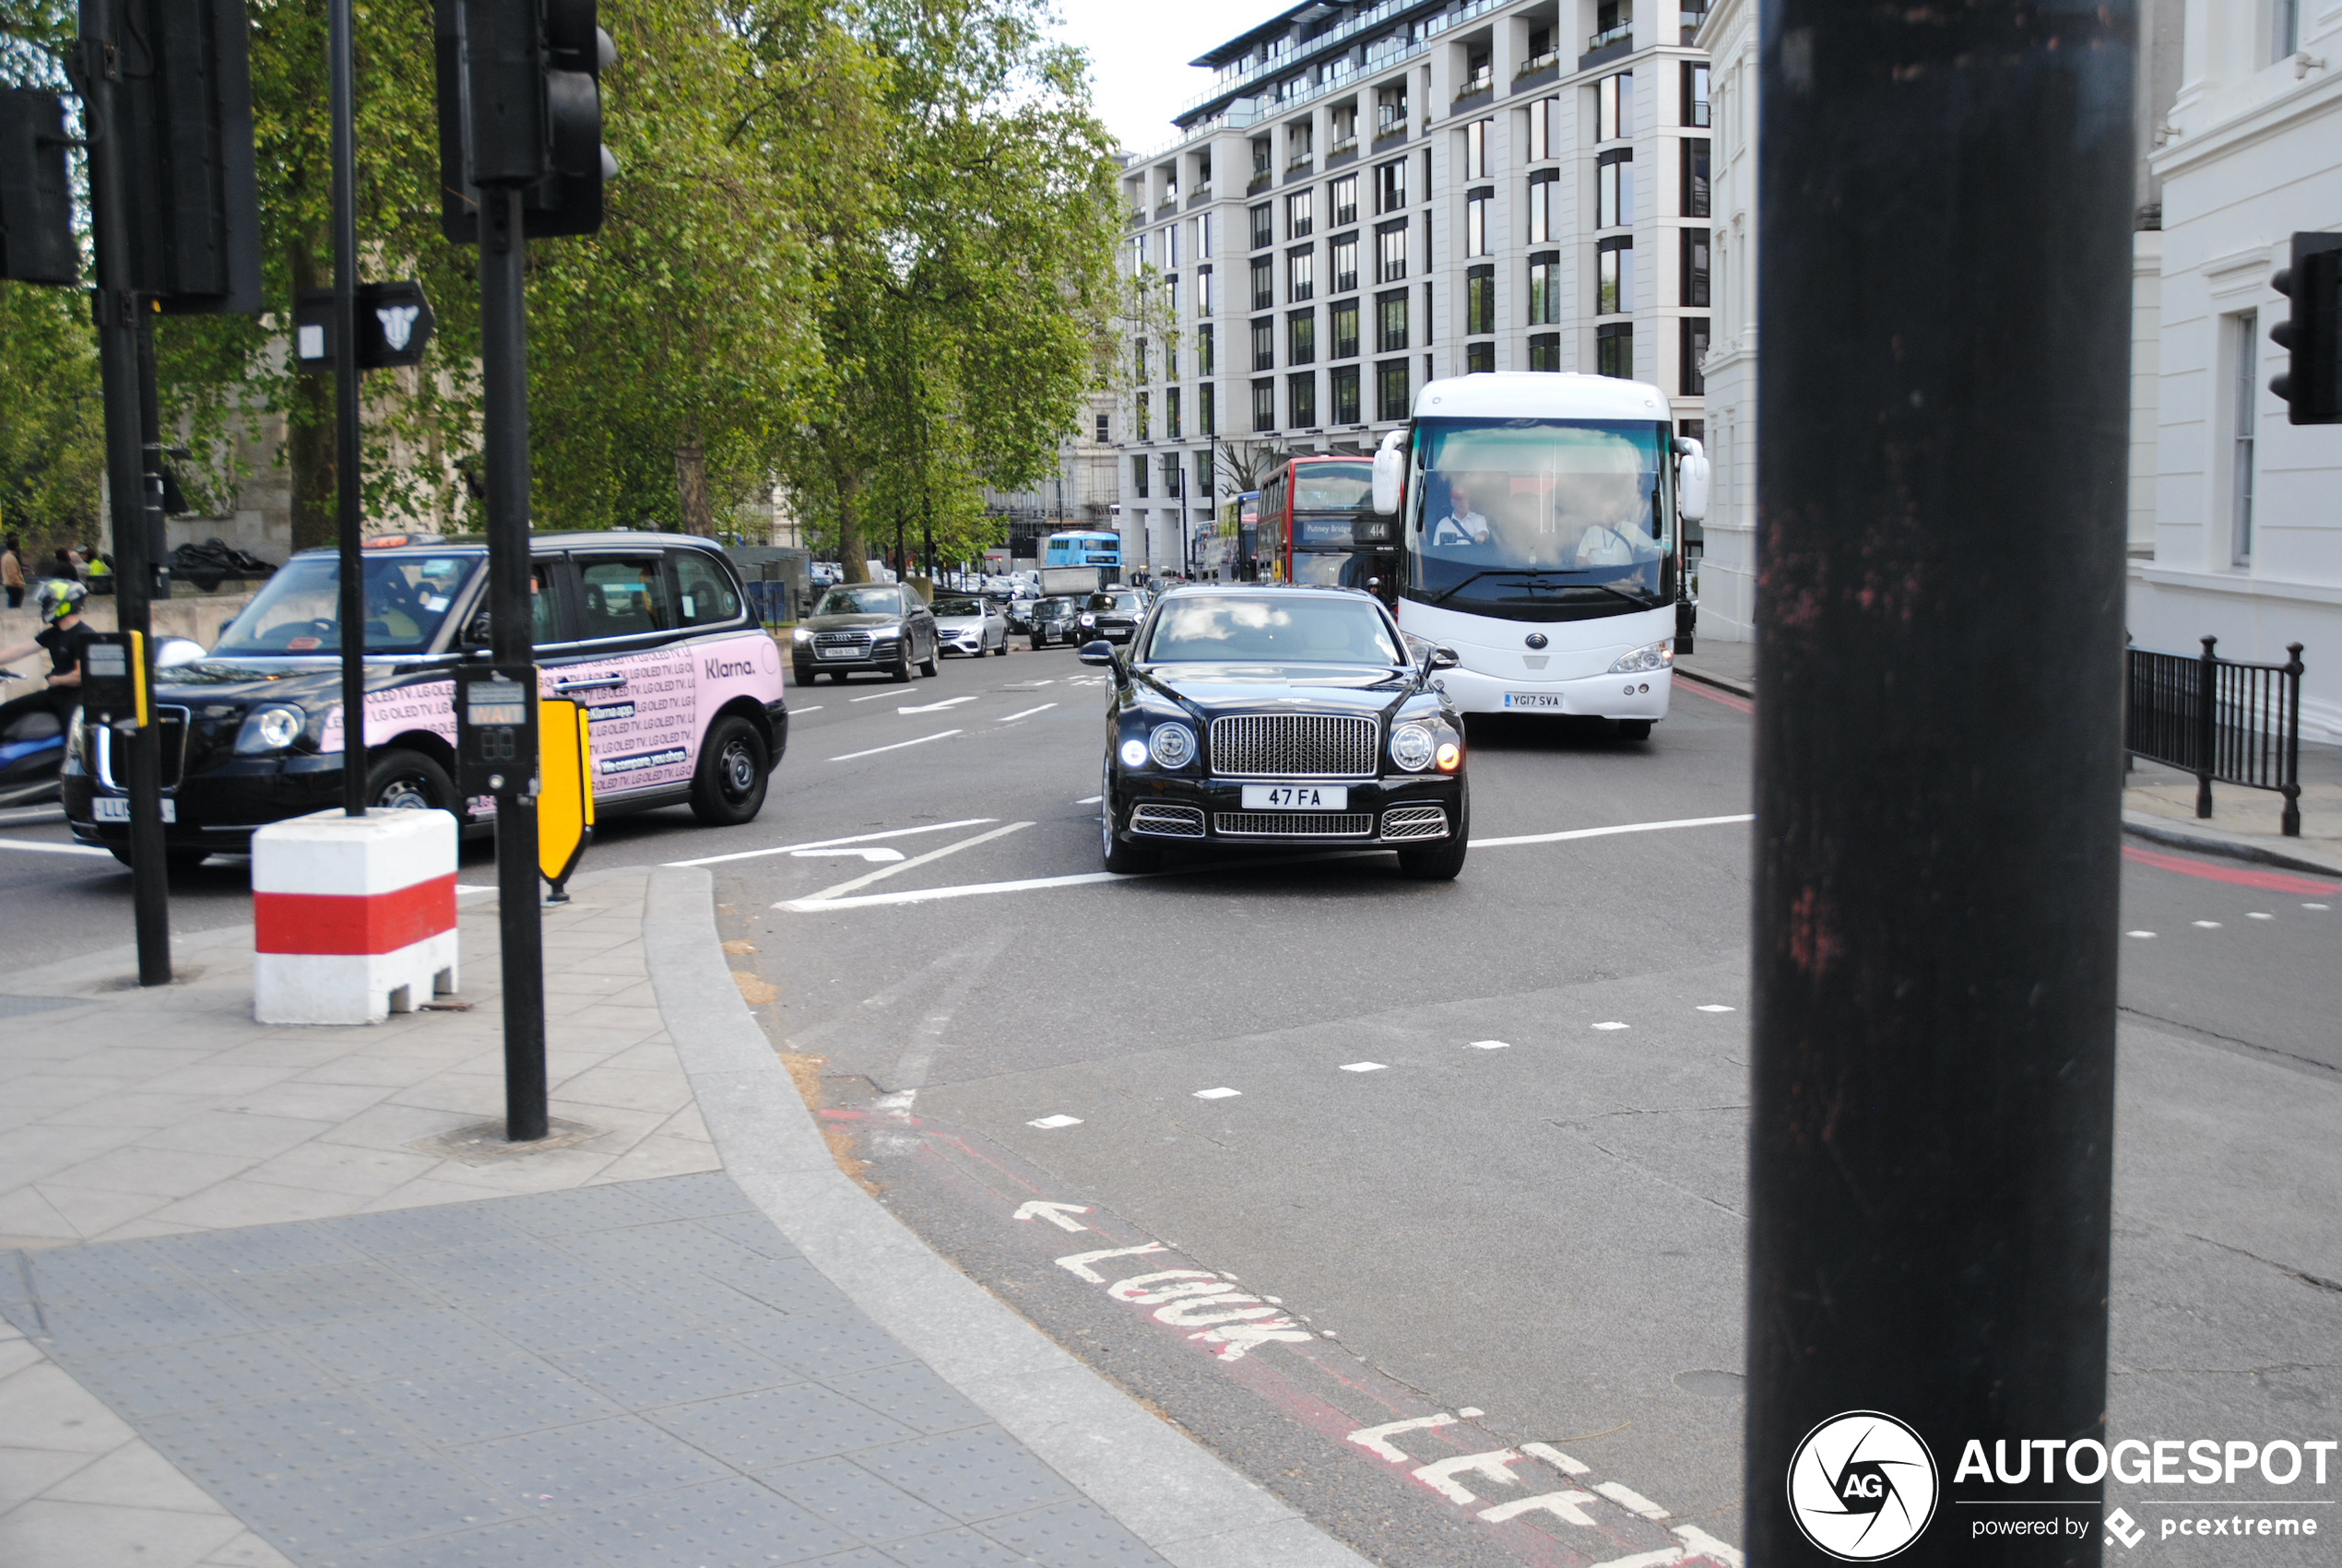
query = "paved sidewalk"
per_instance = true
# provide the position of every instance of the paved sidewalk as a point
(269, 1305)
(1729, 666)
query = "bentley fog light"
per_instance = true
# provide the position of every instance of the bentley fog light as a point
(1134, 753)
(1450, 756)
(1173, 745)
(1413, 747)
(1659, 655)
(271, 729)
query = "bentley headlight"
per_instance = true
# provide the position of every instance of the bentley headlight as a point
(1134, 753)
(1173, 745)
(271, 729)
(1658, 655)
(1413, 747)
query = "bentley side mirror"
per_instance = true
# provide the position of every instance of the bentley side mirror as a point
(1442, 657)
(1098, 652)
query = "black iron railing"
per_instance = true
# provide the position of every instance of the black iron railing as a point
(2225, 721)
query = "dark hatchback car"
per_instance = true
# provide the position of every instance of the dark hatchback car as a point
(883, 627)
(1285, 716)
(651, 632)
(1113, 616)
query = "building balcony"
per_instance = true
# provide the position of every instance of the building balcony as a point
(1340, 146)
(1608, 36)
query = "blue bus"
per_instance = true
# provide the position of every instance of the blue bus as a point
(1083, 549)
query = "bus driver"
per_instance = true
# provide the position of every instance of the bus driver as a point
(1461, 525)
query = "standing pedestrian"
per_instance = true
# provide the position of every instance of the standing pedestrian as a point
(63, 565)
(12, 571)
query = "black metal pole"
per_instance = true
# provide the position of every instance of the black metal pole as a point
(2207, 725)
(348, 498)
(504, 387)
(117, 312)
(1944, 297)
(2290, 819)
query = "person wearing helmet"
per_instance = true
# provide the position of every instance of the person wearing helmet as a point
(61, 636)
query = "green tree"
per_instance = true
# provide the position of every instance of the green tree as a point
(52, 439)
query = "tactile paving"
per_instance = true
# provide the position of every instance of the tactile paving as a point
(63, 1275)
(682, 1244)
(581, 1208)
(817, 1346)
(753, 1232)
(855, 1501)
(594, 1462)
(731, 1524)
(132, 1320)
(471, 1404)
(689, 1198)
(320, 1295)
(1072, 1535)
(238, 1370)
(963, 1548)
(259, 1250)
(975, 1475)
(778, 1426)
(674, 1369)
(910, 1393)
(367, 1350)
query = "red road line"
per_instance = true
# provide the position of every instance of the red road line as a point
(2268, 881)
(1692, 683)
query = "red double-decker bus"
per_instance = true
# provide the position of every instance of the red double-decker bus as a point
(1315, 525)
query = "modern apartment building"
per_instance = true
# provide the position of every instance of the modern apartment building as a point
(1370, 196)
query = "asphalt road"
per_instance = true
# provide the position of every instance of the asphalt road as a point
(1482, 1170)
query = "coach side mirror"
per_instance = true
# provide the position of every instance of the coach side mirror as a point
(1389, 478)
(1691, 480)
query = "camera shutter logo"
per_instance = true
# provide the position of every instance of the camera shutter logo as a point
(1862, 1486)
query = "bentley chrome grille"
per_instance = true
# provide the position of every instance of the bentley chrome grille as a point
(1167, 821)
(1416, 823)
(1293, 824)
(1295, 746)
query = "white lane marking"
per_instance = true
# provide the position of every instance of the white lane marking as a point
(1663, 1558)
(1236, 1332)
(872, 698)
(1078, 1263)
(877, 855)
(1441, 1474)
(2317, 906)
(1374, 1439)
(2142, 936)
(1705, 1545)
(898, 746)
(825, 844)
(1714, 1007)
(939, 707)
(467, 887)
(2256, 914)
(1562, 1505)
(1222, 1093)
(2207, 925)
(924, 895)
(32, 848)
(1622, 827)
(1629, 1498)
(1058, 1214)
(1093, 799)
(1492, 1044)
(1362, 1067)
(814, 709)
(1046, 1122)
(928, 858)
(1557, 1458)
(1611, 1024)
(1028, 713)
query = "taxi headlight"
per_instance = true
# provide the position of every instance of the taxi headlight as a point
(1658, 655)
(1134, 753)
(1413, 747)
(271, 729)
(1173, 745)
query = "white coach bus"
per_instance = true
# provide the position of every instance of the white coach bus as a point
(1540, 536)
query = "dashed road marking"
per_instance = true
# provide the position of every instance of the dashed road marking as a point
(1089, 800)
(939, 707)
(1714, 1007)
(944, 735)
(1491, 1045)
(2207, 924)
(2317, 906)
(1362, 1067)
(38, 848)
(877, 855)
(2256, 914)
(814, 709)
(872, 698)
(2142, 936)
(1028, 713)
(1622, 827)
(1614, 1024)
(1222, 1093)
(1047, 1123)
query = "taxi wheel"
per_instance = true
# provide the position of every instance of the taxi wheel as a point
(1440, 862)
(730, 786)
(408, 780)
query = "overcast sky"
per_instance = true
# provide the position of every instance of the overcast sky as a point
(1139, 55)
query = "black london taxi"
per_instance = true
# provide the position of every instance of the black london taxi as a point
(1280, 716)
(651, 631)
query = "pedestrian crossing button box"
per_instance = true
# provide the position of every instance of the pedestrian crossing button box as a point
(113, 678)
(496, 730)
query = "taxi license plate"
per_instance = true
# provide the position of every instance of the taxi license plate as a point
(1533, 700)
(1296, 798)
(112, 808)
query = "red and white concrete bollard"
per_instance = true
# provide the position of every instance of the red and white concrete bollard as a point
(353, 918)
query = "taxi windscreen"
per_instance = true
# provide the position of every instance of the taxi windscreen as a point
(408, 598)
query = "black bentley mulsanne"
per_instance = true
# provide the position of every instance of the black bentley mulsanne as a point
(1280, 716)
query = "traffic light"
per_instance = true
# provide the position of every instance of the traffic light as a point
(395, 325)
(35, 217)
(184, 80)
(520, 104)
(2311, 333)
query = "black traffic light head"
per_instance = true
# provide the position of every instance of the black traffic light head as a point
(36, 216)
(395, 325)
(2312, 332)
(520, 105)
(186, 114)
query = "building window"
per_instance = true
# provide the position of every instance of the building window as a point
(1301, 338)
(1615, 107)
(1203, 235)
(2285, 29)
(1138, 359)
(1264, 282)
(1203, 475)
(1692, 372)
(1206, 422)
(1170, 473)
(1171, 246)
(1103, 428)
(1142, 420)
(1615, 188)
(1544, 351)
(1544, 190)
(1480, 72)
(2243, 352)
(1203, 292)
(1345, 263)
(1345, 396)
(1390, 390)
(1694, 176)
(1614, 277)
(1264, 343)
(1342, 121)
(1615, 350)
(1480, 301)
(1138, 474)
(1693, 290)
(1203, 351)
(1543, 129)
(1695, 92)
(1299, 144)
(1264, 405)
(1544, 289)
(1344, 201)
(1301, 402)
(1264, 230)
(1390, 322)
(1477, 206)
(1170, 413)
(1300, 215)
(1301, 275)
(1480, 358)
(1391, 187)
(1477, 136)
(1171, 297)
(1390, 252)
(1345, 329)
(1391, 109)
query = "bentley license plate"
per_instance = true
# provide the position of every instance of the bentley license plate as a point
(1296, 798)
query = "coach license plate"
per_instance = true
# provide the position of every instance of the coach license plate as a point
(1295, 797)
(1533, 700)
(111, 809)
